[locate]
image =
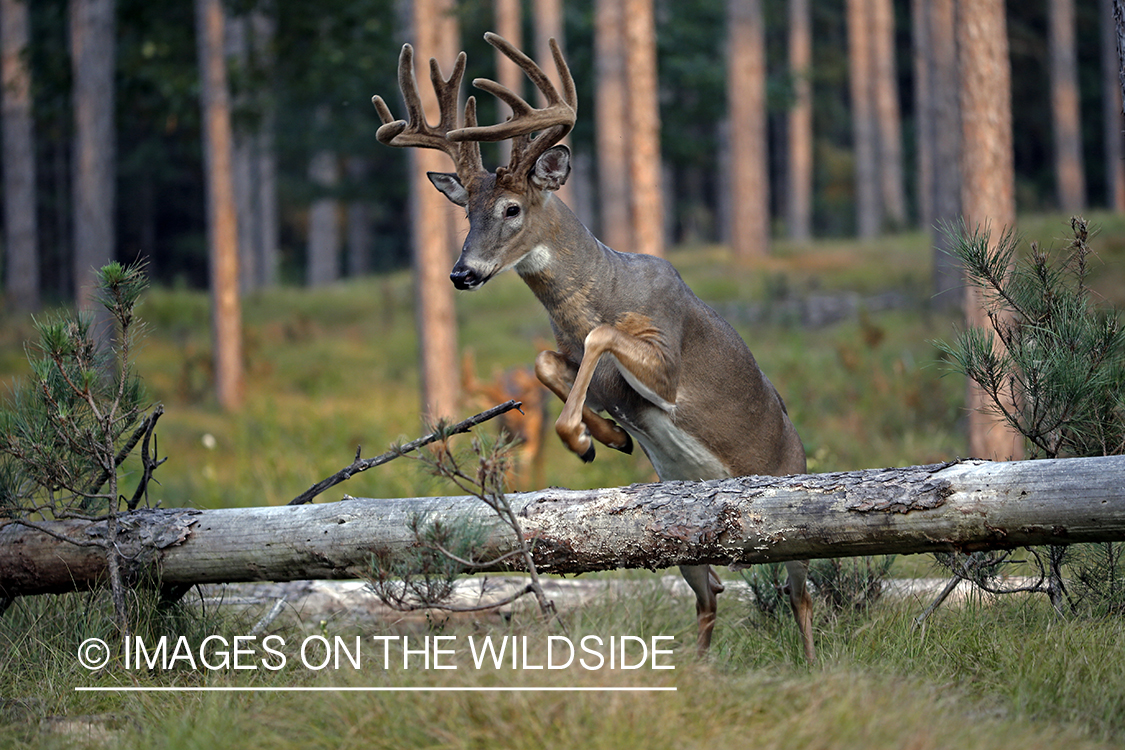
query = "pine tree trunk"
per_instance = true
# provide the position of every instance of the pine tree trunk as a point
(548, 17)
(323, 261)
(242, 159)
(360, 240)
(509, 25)
(645, 169)
(888, 121)
(21, 231)
(923, 118)
(222, 220)
(943, 110)
(1113, 119)
(436, 35)
(1069, 172)
(799, 203)
(266, 239)
(612, 125)
(93, 52)
(987, 179)
(869, 216)
(746, 111)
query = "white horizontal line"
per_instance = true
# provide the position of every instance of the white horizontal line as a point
(315, 689)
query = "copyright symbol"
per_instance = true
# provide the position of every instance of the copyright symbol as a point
(93, 653)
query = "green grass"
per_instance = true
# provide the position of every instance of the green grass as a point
(332, 369)
(987, 674)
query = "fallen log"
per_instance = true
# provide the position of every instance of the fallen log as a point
(967, 505)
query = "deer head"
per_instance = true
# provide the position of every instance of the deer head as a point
(502, 206)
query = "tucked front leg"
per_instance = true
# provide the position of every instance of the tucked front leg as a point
(642, 360)
(557, 374)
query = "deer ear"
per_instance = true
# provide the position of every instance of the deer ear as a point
(552, 168)
(450, 186)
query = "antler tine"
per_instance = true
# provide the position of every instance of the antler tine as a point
(525, 118)
(552, 122)
(416, 131)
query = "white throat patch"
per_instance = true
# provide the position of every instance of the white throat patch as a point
(535, 261)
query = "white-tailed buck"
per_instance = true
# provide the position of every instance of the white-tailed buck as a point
(633, 340)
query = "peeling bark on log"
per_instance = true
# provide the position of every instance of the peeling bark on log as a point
(971, 505)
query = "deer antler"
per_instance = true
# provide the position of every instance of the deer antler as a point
(416, 131)
(552, 122)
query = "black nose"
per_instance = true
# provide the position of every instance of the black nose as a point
(464, 278)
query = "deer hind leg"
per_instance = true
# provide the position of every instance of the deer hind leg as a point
(707, 587)
(555, 372)
(801, 603)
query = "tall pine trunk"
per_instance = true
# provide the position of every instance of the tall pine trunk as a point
(942, 108)
(222, 221)
(799, 185)
(93, 53)
(987, 180)
(645, 172)
(888, 121)
(1113, 120)
(612, 125)
(435, 34)
(869, 215)
(746, 112)
(21, 231)
(1069, 172)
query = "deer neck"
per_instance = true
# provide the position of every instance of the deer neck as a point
(565, 268)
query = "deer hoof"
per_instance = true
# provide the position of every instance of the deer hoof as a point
(588, 456)
(626, 446)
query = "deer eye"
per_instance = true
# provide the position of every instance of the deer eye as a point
(511, 211)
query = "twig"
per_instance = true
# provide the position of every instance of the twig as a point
(953, 582)
(268, 617)
(404, 606)
(368, 463)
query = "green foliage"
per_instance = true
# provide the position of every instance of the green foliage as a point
(63, 430)
(842, 585)
(1052, 364)
(1057, 375)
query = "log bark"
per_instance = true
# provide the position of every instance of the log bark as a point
(972, 505)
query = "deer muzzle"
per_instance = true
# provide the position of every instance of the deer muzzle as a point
(465, 278)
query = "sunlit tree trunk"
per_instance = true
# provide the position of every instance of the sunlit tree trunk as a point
(987, 179)
(612, 125)
(93, 53)
(509, 24)
(645, 172)
(435, 35)
(746, 111)
(799, 203)
(869, 216)
(1069, 173)
(1114, 121)
(888, 121)
(548, 17)
(222, 221)
(21, 231)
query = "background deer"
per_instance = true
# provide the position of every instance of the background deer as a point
(526, 425)
(633, 340)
